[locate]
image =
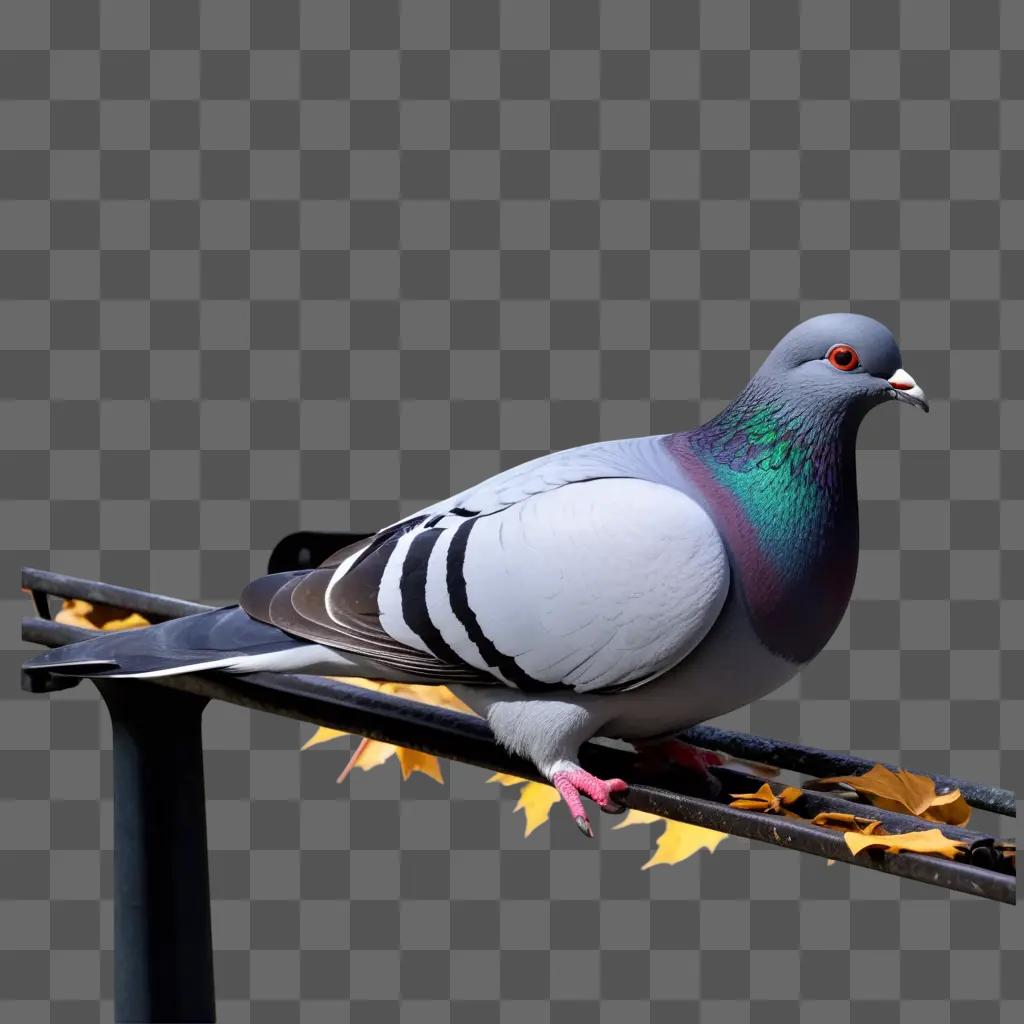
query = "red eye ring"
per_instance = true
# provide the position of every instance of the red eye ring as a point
(843, 357)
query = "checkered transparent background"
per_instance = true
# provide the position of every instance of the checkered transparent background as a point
(268, 265)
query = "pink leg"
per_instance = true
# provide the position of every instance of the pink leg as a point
(573, 781)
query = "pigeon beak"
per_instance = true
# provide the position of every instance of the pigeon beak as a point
(906, 389)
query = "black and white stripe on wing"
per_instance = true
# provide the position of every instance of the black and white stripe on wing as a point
(507, 665)
(414, 596)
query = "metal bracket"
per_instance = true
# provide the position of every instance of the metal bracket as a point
(162, 933)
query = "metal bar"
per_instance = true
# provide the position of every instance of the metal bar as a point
(811, 761)
(807, 838)
(431, 729)
(461, 737)
(164, 965)
(821, 763)
(41, 601)
(153, 606)
(815, 802)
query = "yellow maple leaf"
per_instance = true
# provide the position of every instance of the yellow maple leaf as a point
(930, 841)
(322, 735)
(366, 755)
(416, 761)
(504, 779)
(635, 817)
(439, 696)
(535, 799)
(371, 753)
(678, 840)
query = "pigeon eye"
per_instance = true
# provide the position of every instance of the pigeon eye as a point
(842, 357)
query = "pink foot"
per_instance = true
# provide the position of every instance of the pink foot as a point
(683, 755)
(572, 782)
(687, 756)
(694, 760)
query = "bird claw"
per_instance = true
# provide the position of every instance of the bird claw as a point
(583, 824)
(572, 782)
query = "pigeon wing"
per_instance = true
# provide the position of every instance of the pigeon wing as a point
(297, 603)
(596, 585)
(593, 584)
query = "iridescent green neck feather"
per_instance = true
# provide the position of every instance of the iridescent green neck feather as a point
(777, 472)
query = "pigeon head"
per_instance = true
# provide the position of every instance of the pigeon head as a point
(842, 358)
(777, 470)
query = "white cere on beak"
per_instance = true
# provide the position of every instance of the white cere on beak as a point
(907, 388)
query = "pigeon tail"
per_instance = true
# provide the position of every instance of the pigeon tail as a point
(222, 638)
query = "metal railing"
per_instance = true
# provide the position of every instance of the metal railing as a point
(141, 709)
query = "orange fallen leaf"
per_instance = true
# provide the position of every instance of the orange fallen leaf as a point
(842, 822)
(896, 791)
(132, 621)
(929, 841)
(678, 840)
(765, 799)
(949, 808)
(906, 793)
(86, 615)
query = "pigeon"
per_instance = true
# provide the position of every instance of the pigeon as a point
(622, 589)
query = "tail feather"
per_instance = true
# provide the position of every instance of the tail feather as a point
(224, 638)
(219, 638)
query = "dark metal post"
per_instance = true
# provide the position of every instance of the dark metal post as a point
(163, 948)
